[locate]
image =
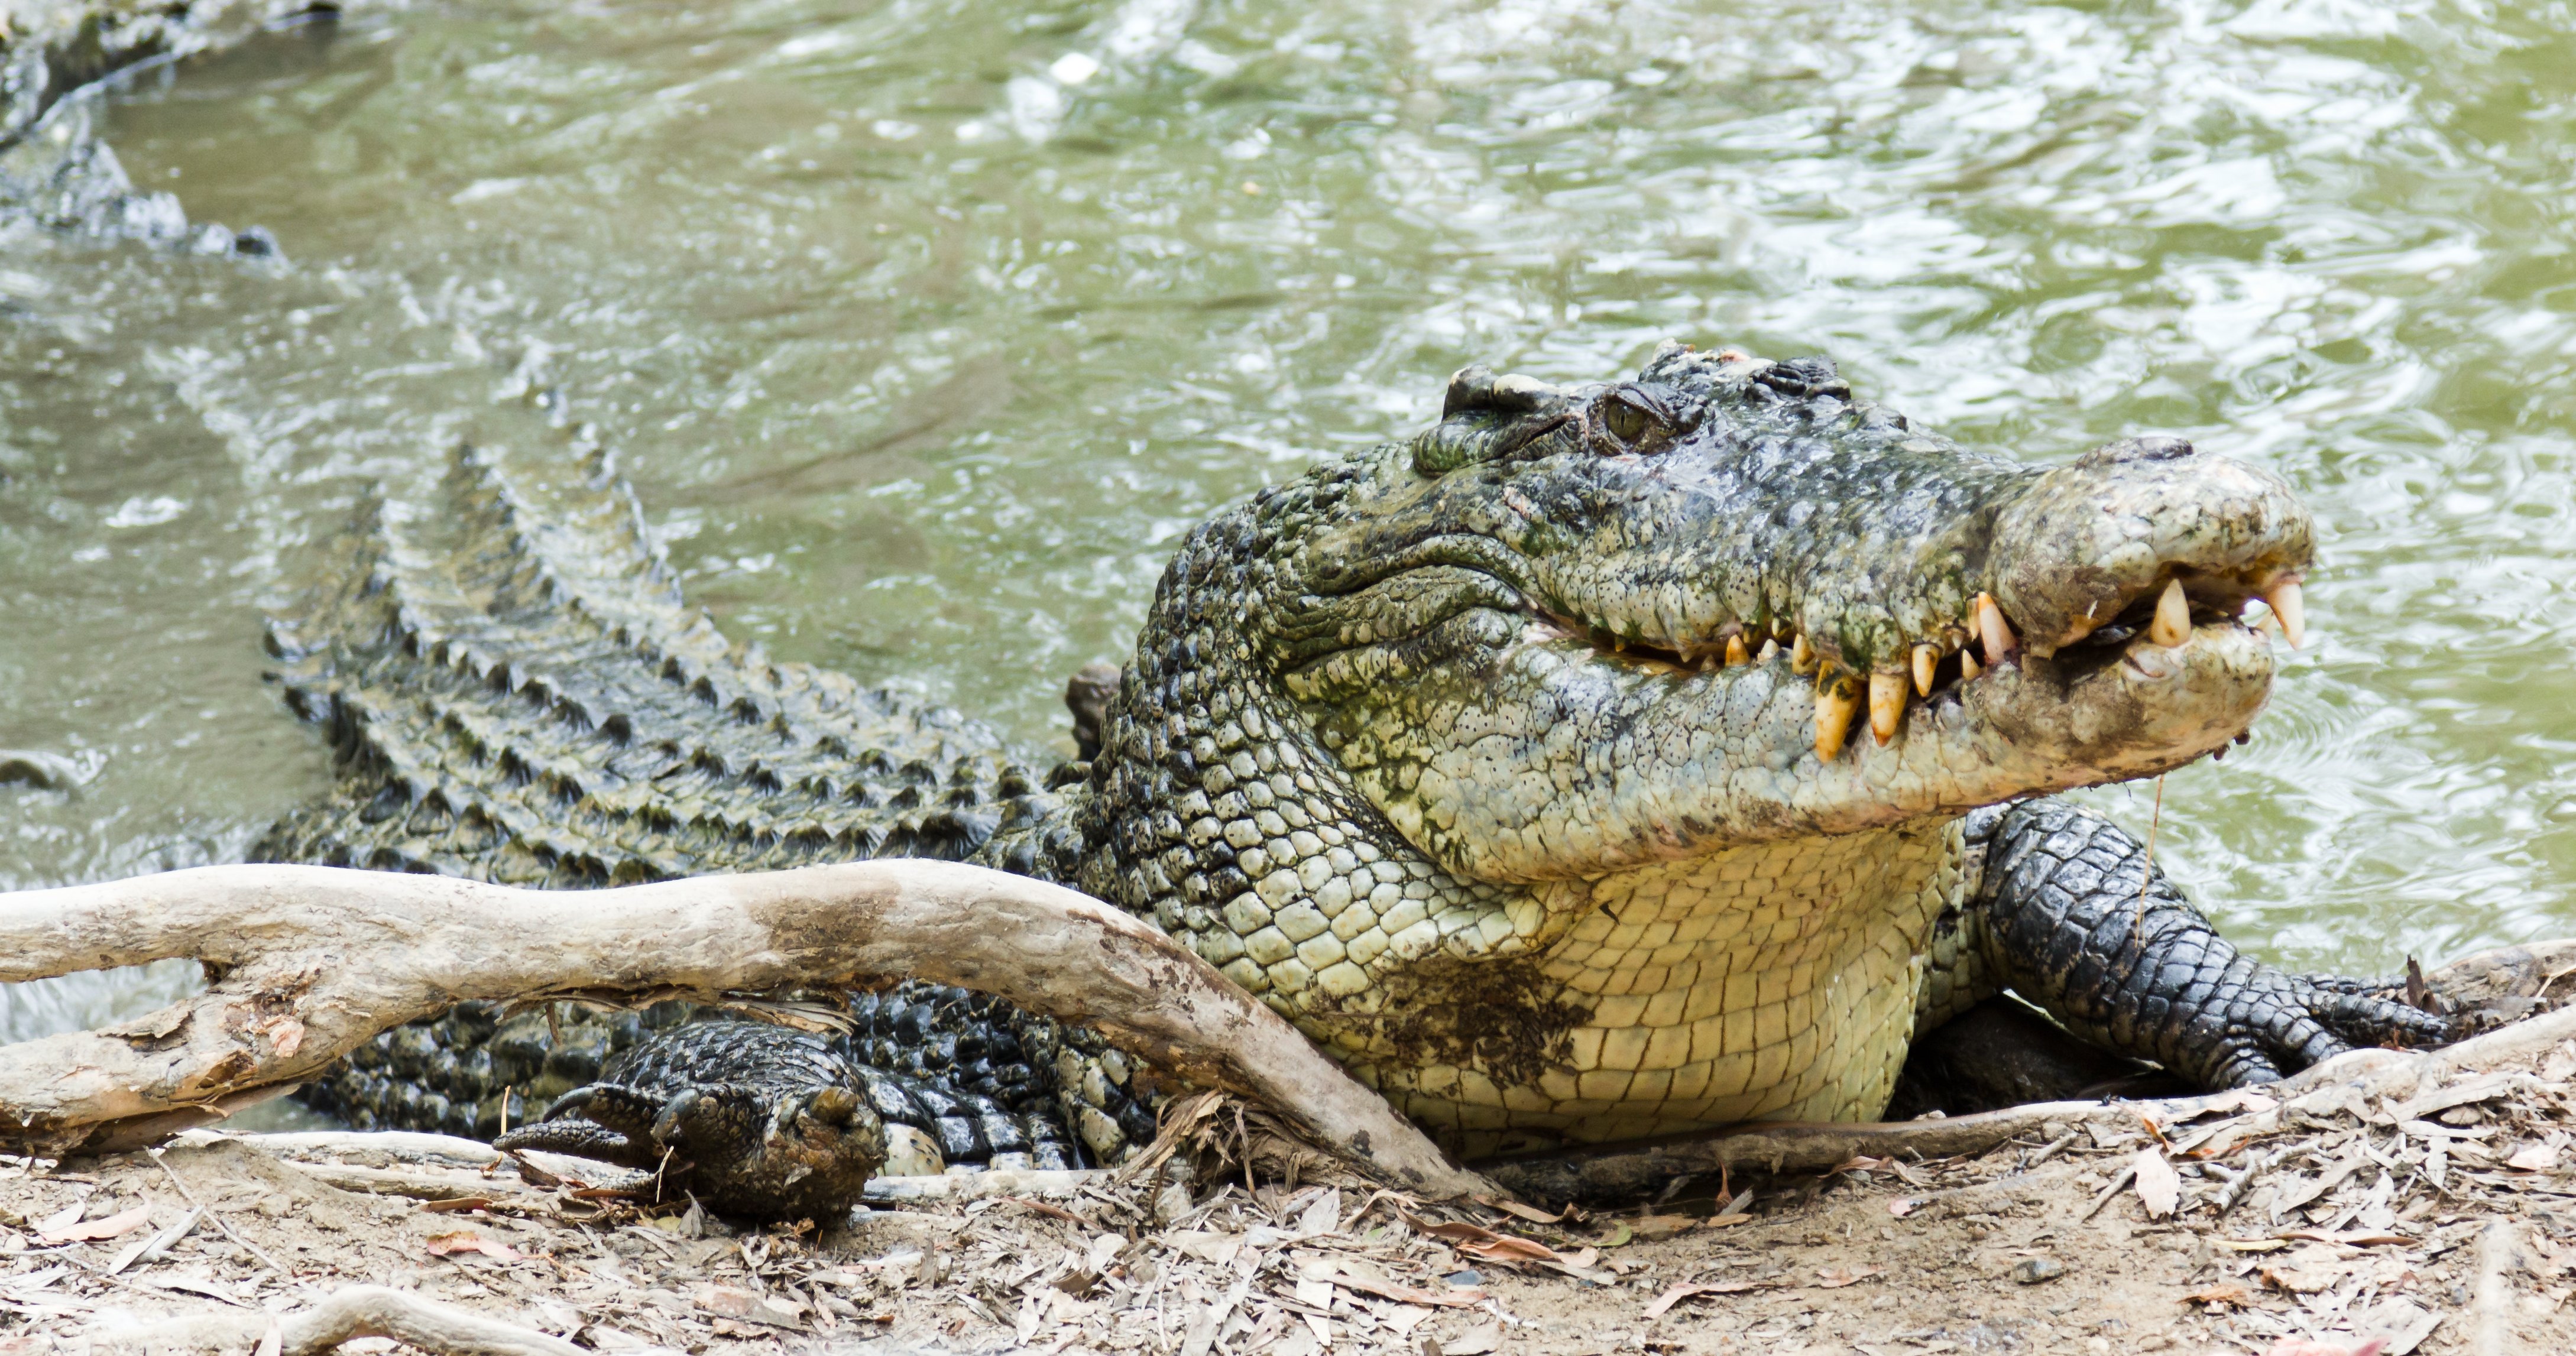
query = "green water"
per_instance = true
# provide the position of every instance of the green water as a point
(922, 352)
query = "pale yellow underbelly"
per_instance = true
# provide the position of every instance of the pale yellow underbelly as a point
(1774, 982)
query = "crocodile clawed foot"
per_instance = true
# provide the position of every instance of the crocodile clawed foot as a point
(2078, 920)
(2268, 1024)
(2367, 1015)
(780, 1150)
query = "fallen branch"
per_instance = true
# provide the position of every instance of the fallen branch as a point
(314, 960)
(445, 1167)
(1037, 1183)
(1637, 1167)
(344, 1314)
(399, 1148)
(422, 1184)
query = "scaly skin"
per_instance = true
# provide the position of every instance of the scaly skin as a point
(1488, 757)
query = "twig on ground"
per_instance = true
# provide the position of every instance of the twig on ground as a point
(2048, 1151)
(2123, 1177)
(220, 1222)
(2238, 1183)
(2491, 1297)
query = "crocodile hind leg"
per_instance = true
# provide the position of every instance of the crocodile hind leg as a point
(2072, 915)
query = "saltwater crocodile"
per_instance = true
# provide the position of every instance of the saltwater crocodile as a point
(1597, 763)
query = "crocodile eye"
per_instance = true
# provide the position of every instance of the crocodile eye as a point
(1625, 421)
(1629, 421)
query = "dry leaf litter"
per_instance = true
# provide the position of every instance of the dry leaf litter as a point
(2337, 1224)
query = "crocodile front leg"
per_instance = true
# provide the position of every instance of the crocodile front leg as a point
(2075, 918)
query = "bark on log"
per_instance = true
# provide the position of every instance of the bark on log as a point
(311, 961)
(1639, 1167)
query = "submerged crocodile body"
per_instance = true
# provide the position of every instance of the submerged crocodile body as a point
(1598, 763)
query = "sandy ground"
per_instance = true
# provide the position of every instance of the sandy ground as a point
(2446, 1223)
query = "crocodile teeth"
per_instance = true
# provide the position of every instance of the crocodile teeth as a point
(1837, 701)
(1770, 651)
(1927, 658)
(1994, 630)
(1735, 653)
(1968, 666)
(1801, 658)
(2287, 604)
(1886, 704)
(2172, 625)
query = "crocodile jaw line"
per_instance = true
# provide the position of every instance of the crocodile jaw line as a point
(1735, 761)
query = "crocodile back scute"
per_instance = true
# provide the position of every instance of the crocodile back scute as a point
(520, 696)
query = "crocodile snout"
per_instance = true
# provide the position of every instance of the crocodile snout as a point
(2144, 539)
(2107, 540)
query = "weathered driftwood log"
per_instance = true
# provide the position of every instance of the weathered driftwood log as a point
(350, 1312)
(1637, 1167)
(310, 961)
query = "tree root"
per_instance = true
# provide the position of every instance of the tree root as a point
(345, 1314)
(310, 961)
